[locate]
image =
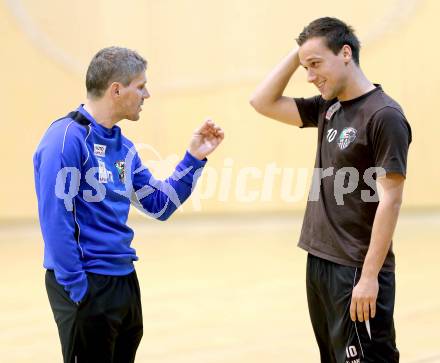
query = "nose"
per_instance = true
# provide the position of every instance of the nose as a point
(146, 94)
(310, 76)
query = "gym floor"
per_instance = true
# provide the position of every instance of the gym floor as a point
(221, 289)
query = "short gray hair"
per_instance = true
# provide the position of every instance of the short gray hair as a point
(112, 64)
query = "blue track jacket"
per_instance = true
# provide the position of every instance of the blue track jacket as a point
(86, 177)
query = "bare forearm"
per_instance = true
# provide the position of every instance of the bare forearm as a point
(383, 228)
(364, 295)
(273, 86)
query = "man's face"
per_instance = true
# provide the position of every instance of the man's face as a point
(132, 97)
(326, 70)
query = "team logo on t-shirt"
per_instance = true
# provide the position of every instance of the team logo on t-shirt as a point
(347, 136)
(332, 110)
(120, 166)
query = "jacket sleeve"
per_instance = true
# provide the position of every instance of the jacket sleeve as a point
(159, 199)
(57, 168)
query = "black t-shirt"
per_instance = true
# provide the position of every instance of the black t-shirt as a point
(354, 137)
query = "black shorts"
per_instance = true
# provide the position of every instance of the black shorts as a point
(106, 327)
(340, 340)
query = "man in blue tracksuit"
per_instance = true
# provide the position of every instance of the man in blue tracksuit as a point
(86, 176)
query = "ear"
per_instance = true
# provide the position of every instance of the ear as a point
(115, 89)
(346, 53)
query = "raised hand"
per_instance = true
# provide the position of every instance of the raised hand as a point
(205, 139)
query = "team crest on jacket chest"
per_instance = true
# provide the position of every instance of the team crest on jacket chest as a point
(120, 166)
(99, 150)
(347, 136)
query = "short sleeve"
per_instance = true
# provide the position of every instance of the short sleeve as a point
(309, 109)
(390, 136)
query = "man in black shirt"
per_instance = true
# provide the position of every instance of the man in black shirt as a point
(354, 202)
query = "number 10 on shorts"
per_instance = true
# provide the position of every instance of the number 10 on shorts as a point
(351, 351)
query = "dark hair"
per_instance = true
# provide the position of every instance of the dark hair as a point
(336, 34)
(112, 64)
